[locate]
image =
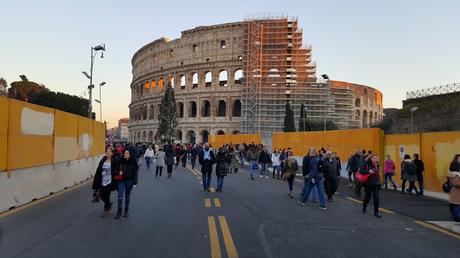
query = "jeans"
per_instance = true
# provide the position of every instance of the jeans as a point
(242, 160)
(148, 161)
(193, 161)
(309, 186)
(252, 163)
(264, 169)
(374, 191)
(389, 177)
(159, 170)
(170, 169)
(315, 190)
(455, 211)
(291, 182)
(206, 178)
(411, 186)
(124, 187)
(276, 169)
(220, 182)
(420, 182)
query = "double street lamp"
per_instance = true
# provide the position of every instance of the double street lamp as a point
(94, 51)
(100, 100)
(326, 110)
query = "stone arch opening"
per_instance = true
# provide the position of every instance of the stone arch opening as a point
(364, 118)
(182, 82)
(204, 136)
(358, 102)
(191, 137)
(144, 136)
(222, 109)
(238, 76)
(150, 138)
(180, 109)
(208, 79)
(206, 110)
(179, 135)
(192, 109)
(195, 80)
(220, 132)
(237, 108)
(236, 132)
(223, 76)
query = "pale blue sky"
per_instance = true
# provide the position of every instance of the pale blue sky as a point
(395, 46)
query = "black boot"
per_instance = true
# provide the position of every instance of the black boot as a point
(364, 208)
(126, 213)
(118, 213)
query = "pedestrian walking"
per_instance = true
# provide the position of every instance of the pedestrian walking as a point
(183, 156)
(252, 157)
(234, 160)
(454, 193)
(306, 169)
(160, 161)
(222, 158)
(290, 170)
(206, 158)
(408, 173)
(264, 161)
(356, 162)
(169, 159)
(372, 185)
(103, 182)
(127, 179)
(276, 163)
(177, 152)
(389, 171)
(329, 166)
(313, 179)
(420, 168)
(148, 156)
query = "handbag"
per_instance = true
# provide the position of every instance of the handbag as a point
(362, 177)
(96, 197)
(255, 166)
(447, 186)
(118, 177)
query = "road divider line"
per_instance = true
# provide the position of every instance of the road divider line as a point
(438, 229)
(213, 238)
(207, 203)
(360, 202)
(217, 203)
(229, 245)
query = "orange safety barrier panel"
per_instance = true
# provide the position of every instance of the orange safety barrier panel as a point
(85, 137)
(4, 109)
(65, 136)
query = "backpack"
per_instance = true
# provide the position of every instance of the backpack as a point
(411, 169)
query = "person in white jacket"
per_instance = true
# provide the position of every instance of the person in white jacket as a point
(149, 153)
(276, 163)
(160, 161)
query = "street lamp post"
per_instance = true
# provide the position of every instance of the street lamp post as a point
(100, 99)
(412, 110)
(326, 77)
(94, 51)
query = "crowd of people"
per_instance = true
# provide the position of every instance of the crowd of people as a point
(118, 170)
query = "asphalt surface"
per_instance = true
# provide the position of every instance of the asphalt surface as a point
(170, 218)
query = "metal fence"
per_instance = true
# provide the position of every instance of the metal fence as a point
(438, 90)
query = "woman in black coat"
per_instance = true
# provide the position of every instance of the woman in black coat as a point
(103, 182)
(222, 159)
(127, 179)
(169, 159)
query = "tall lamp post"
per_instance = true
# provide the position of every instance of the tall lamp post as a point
(326, 77)
(100, 99)
(412, 110)
(94, 51)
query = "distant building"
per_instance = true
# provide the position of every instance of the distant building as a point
(122, 129)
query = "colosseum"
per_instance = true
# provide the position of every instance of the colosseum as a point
(236, 78)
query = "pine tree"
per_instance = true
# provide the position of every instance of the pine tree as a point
(302, 118)
(289, 124)
(168, 116)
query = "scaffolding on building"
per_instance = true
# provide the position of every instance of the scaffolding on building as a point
(438, 90)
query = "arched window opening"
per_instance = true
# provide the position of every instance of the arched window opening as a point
(204, 136)
(256, 72)
(358, 102)
(222, 110)
(236, 132)
(191, 137)
(220, 132)
(238, 76)
(144, 136)
(222, 44)
(206, 112)
(179, 135)
(192, 109)
(182, 81)
(195, 80)
(208, 79)
(150, 139)
(273, 72)
(151, 112)
(358, 115)
(180, 107)
(237, 108)
(223, 78)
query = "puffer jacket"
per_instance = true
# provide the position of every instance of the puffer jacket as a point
(221, 164)
(130, 169)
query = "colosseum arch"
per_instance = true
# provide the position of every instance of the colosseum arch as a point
(220, 132)
(151, 112)
(371, 118)
(222, 109)
(144, 136)
(358, 115)
(365, 121)
(236, 132)
(208, 79)
(150, 137)
(236, 108)
(376, 119)
(256, 73)
(195, 80)
(138, 138)
(190, 136)
(192, 109)
(238, 76)
(179, 135)
(223, 77)
(204, 136)
(182, 81)
(180, 109)
(206, 109)
(273, 72)
(358, 102)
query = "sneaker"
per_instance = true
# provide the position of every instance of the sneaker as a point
(261, 176)
(322, 207)
(252, 178)
(267, 177)
(301, 203)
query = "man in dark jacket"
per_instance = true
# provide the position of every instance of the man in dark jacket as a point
(420, 168)
(356, 162)
(264, 160)
(330, 168)
(193, 155)
(206, 158)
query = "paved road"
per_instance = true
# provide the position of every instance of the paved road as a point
(170, 218)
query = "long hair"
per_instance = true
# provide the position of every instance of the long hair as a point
(454, 161)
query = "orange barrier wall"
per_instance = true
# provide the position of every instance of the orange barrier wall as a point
(219, 140)
(436, 150)
(32, 135)
(344, 142)
(4, 107)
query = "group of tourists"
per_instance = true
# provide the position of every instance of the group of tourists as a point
(118, 170)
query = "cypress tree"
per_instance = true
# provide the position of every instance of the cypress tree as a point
(289, 124)
(302, 118)
(167, 119)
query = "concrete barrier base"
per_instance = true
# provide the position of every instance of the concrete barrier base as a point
(26, 185)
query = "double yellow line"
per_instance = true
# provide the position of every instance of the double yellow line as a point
(214, 238)
(207, 203)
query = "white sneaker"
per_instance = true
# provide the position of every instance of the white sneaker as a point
(267, 177)
(261, 176)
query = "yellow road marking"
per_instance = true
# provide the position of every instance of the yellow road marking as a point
(438, 229)
(212, 189)
(217, 203)
(207, 203)
(213, 238)
(229, 245)
(43, 199)
(360, 202)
